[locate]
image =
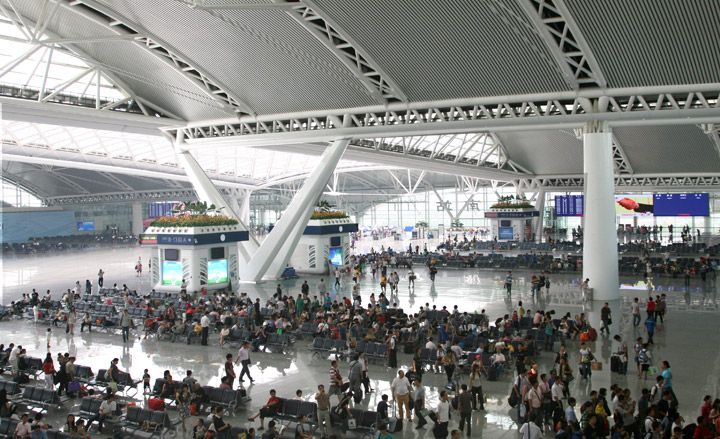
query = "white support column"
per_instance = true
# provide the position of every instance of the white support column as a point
(540, 204)
(600, 256)
(283, 238)
(137, 218)
(207, 192)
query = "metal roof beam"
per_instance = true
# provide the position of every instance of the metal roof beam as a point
(111, 20)
(563, 38)
(664, 105)
(630, 182)
(378, 83)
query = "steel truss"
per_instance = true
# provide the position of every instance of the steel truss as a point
(663, 105)
(114, 197)
(378, 83)
(122, 26)
(566, 43)
(637, 182)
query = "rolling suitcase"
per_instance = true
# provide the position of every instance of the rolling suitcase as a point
(615, 364)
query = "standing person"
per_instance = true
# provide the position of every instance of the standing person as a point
(419, 403)
(183, 397)
(465, 408)
(650, 308)
(49, 371)
(650, 328)
(508, 283)
(337, 278)
(585, 289)
(411, 278)
(229, 370)
(322, 400)
(205, 324)
(71, 318)
(443, 416)
(138, 267)
(335, 380)
(605, 316)
(547, 285)
(244, 359)
(125, 322)
(391, 343)
(101, 278)
(401, 389)
(666, 373)
(635, 308)
(643, 359)
(476, 388)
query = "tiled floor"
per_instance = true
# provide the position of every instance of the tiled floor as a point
(688, 339)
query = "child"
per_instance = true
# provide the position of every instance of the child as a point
(49, 333)
(146, 382)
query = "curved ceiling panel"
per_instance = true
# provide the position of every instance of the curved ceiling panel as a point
(650, 42)
(445, 49)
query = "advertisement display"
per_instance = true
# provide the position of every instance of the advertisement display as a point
(336, 256)
(681, 204)
(172, 273)
(217, 271)
(569, 205)
(505, 233)
(86, 226)
(634, 205)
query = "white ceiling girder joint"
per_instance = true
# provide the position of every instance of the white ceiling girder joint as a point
(171, 57)
(365, 70)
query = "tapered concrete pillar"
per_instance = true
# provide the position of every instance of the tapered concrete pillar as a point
(207, 192)
(137, 218)
(281, 241)
(600, 256)
(540, 205)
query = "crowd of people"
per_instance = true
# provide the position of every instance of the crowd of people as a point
(542, 398)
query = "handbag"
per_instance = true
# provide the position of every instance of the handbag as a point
(513, 399)
(596, 365)
(609, 322)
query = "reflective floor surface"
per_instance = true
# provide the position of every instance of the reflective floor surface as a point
(688, 339)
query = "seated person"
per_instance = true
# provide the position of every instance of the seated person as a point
(271, 407)
(218, 424)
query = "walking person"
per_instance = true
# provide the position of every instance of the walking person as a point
(443, 416)
(465, 408)
(229, 370)
(419, 404)
(205, 324)
(650, 328)
(508, 283)
(101, 278)
(244, 359)
(605, 317)
(476, 388)
(125, 322)
(635, 308)
(49, 370)
(322, 399)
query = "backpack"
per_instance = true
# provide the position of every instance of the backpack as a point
(643, 356)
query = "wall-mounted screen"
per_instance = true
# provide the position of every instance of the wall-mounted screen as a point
(336, 256)
(681, 204)
(505, 233)
(217, 253)
(634, 205)
(172, 254)
(569, 205)
(335, 241)
(86, 226)
(172, 273)
(217, 271)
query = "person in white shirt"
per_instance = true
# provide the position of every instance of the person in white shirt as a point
(205, 323)
(401, 389)
(243, 357)
(430, 344)
(443, 415)
(556, 391)
(570, 415)
(635, 309)
(107, 408)
(530, 430)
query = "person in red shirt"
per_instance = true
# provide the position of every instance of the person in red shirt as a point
(702, 430)
(706, 407)
(268, 410)
(650, 308)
